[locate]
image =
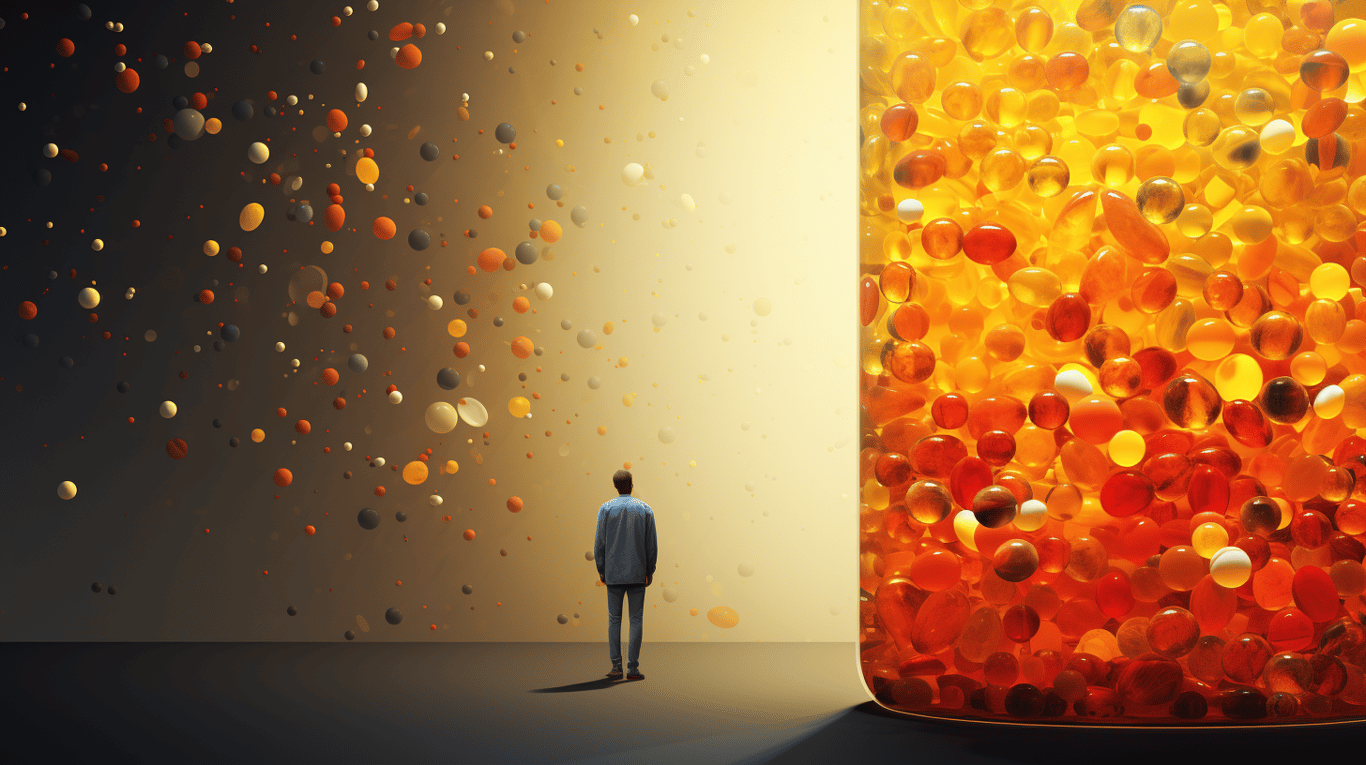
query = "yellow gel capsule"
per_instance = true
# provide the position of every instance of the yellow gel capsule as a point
(1347, 38)
(1201, 127)
(1254, 106)
(1329, 281)
(1209, 538)
(1262, 35)
(1238, 376)
(1308, 368)
(1237, 148)
(1210, 339)
(1127, 448)
(1048, 176)
(1251, 225)
(1033, 29)
(1160, 199)
(1194, 20)
(1113, 165)
(1002, 170)
(1194, 221)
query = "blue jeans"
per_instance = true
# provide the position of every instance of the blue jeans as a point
(637, 600)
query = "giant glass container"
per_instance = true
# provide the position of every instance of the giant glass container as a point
(1113, 387)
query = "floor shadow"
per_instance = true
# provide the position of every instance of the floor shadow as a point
(590, 685)
(869, 733)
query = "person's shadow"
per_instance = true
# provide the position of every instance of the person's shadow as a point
(591, 685)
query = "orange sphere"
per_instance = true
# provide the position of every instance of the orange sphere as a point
(336, 120)
(303, 427)
(309, 530)
(384, 228)
(469, 533)
(283, 477)
(551, 232)
(27, 310)
(177, 449)
(461, 350)
(485, 212)
(127, 81)
(330, 376)
(206, 296)
(409, 56)
(522, 347)
(515, 504)
(333, 217)
(335, 290)
(491, 258)
(521, 304)
(65, 47)
(1096, 420)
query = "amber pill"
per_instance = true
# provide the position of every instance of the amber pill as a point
(1276, 335)
(1324, 117)
(994, 506)
(919, 168)
(899, 122)
(909, 362)
(1067, 318)
(1120, 377)
(996, 448)
(988, 244)
(1105, 341)
(896, 281)
(950, 411)
(1153, 290)
(1223, 290)
(1260, 516)
(1327, 152)
(1066, 71)
(1048, 410)
(1015, 561)
(1324, 70)
(1190, 401)
(1284, 400)
(942, 238)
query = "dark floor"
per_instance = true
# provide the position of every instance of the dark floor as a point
(706, 703)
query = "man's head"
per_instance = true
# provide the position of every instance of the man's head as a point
(622, 480)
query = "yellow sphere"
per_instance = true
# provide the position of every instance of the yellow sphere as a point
(251, 216)
(366, 170)
(1238, 376)
(258, 435)
(415, 472)
(326, 247)
(519, 406)
(456, 328)
(1127, 448)
(212, 125)
(211, 248)
(451, 466)
(1209, 538)
(1348, 39)
(1329, 281)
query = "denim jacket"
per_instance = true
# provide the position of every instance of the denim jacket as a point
(625, 546)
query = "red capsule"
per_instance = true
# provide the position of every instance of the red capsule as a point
(969, 476)
(1247, 424)
(934, 456)
(1068, 318)
(869, 296)
(950, 411)
(988, 243)
(1114, 595)
(899, 122)
(1125, 493)
(919, 168)
(1048, 410)
(1315, 594)
(1208, 490)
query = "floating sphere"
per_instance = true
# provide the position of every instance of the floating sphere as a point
(189, 124)
(393, 616)
(429, 151)
(419, 239)
(258, 152)
(168, 409)
(505, 133)
(66, 490)
(88, 298)
(441, 417)
(368, 519)
(242, 110)
(358, 363)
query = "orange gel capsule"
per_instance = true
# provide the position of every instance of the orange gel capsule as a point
(1131, 230)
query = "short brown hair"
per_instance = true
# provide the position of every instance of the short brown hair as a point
(622, 480)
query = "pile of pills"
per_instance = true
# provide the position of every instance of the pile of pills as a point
(1113, 392)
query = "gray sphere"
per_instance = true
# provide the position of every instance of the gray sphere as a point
(393, 616)
(554, 191)
(526, 253)
(419, 239)
(243, 110)
(368, 519)
(579, 215)
(448, 378)
(358, 363)
(429, 151)
(461, 297)
(505, 133)
(189, 124)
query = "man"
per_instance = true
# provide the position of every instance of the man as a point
(625, 550)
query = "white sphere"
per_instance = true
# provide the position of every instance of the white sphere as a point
(369, 187)
(1330, 401)
(440, 28)
(395, 397)
(97, 245)
(393, 53)
(634, 19)
(279, 347)
(660, 89)
(50, 150)
(488, 55)
(441, 417)
(632, 173)
(1277, 137)
(168, 409)
(210, 247)
(909, 210)
(362, 92)
(205, 48)
(119, 66)
(89, 297)
(66, 490)
(346, 446)
(544, 291)
(346, 11)
(1032, 516)
(22, 106)
(294, 363)
(364, 131)
(373, 5)
(434, 302)
(435, 500)
(258, 152)
(292, 100)
(261, 268)
(1073, 385)
(1230, 567)
(379, 462)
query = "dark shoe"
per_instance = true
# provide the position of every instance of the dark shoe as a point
(615, 674)
(635, 676)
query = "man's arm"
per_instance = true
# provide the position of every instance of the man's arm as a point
(651, 549)
(600, 548)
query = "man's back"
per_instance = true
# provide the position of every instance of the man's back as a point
(626, 547)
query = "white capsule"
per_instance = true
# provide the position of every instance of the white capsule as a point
(395, 397)
(1032, 516)
(361, 92)
(965, 527)
(544, 291)
(1330, 401)
(1073, 385)
(393, 53)
(434, 500)
(688, 203)
(379, 461)
(1277, 137)
(909, 210)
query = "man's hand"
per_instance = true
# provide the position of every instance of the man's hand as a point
(647, 581)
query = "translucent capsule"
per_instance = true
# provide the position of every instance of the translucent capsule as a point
(1033, 29)
(1251, 224)
(1095, 15)
(1327, 152)
(1048, 176)
(1348, 36)
(1002, 170)
(1335, 223)
(896, 281)
(1324, 70)
(1222, 290)
(899, 122)
(919, 168)
(961, 100)
(987, 33)
(1236, 148)
(1138, 28)
(928, 501)
(909, 362)
(1325, 321)
(1276, 335)
(1188, 61)
(988, 243)
(1254, 107)
(1194, 220)
(1230, 567)
(1160, 199)
(1284, 400)
(1113, 165)
(1201, 127)
(1324, 117)
(1153, 290)
(1015, 560)
(994, 507)
(1329, 281)
(1173, 631)
(1190, 401)
(942, 238)
(1192, 94)
(1262, 35)
(1066, 70)
(913, 77)
(1210, 339)
(1260, 515)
